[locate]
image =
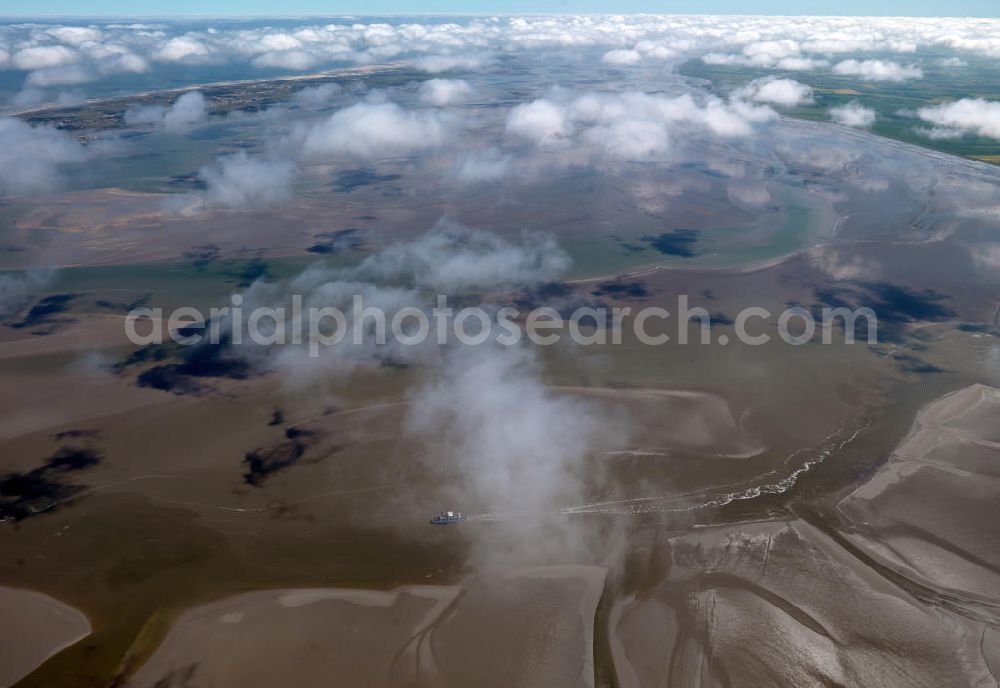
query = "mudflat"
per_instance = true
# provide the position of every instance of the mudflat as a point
(35, 627)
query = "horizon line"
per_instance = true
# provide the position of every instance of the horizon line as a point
(307, 15)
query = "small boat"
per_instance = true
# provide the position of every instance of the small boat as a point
(447, 518)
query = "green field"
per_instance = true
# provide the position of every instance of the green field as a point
(895, 102)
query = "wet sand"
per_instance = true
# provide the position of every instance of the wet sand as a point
(35, 627)
(299, 637)
(529, 627)
(662, 420)
(193, 529)
(902, 592)
(932, 512)
(780, 604)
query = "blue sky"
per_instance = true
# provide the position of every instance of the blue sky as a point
(978, 8)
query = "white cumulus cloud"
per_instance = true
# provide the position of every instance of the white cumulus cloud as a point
(372, 129)
(33, 159)
(40, 57)
(240, 181)
(853, 114)
(190, 108)
(541, 122)
(443, 92)
(183, 49)
(622, 57)
(453, 259)
(878, 70)
(784, 92)
(968, 115)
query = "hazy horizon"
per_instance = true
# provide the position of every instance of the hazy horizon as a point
(310, 8)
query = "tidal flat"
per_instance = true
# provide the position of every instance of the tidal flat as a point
(718, 508)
